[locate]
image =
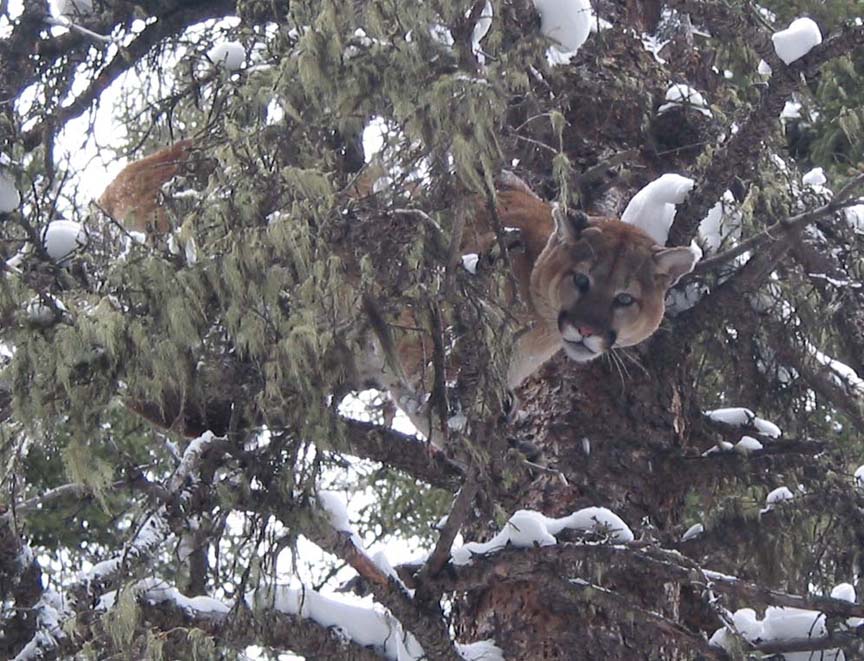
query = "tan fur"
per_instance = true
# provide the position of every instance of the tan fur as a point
(617, 258)
(611, 258)
(133, 197)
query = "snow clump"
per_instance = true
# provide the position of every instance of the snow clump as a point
(815, 178)
(743, 417)
(747, 444)
(722, 224)
(527, 528)
(778, 495)
(481, 27)
(566, 22)
(859, 477)
(62, 238)
(680, 95)
(693, 532)
(797, 40)
(229, 54)
(652, 209)
(781, 625)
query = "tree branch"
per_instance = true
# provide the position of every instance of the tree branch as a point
(425, 623)
(739, 155)
(166, 26)
(402, 452)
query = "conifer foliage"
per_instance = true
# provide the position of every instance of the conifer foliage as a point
(192, 463)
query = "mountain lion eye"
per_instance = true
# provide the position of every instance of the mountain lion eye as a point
(581, 281)
(624, 300)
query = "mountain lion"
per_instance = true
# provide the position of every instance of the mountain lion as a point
(589, 284)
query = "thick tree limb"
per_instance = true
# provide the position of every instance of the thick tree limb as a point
(402, 452)
(236, 629)
(576, 594)
(267, 628)
(565, 559)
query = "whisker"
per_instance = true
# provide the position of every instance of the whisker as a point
(633, 359)
(614, 360)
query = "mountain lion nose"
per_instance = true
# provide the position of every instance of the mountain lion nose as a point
(586, 331)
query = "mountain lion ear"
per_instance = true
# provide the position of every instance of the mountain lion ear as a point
(672, 263)
(569, 224)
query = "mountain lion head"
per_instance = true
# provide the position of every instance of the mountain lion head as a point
(602, 283)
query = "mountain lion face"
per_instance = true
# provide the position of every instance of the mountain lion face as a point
(601, 283)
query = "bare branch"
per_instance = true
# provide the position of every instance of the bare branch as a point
(402, 452)
(440, 555)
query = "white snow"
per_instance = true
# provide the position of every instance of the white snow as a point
(44, 312)
(364, 626)
(693, 532)
(652, 209)
(567, 22)
(333, 504)
(228, 54)
(844, 591)
(859, 477)
(737, 417)
(654, 45)
(469, 262)
(680, 95)
(815, 177)
(764, 69)
(842, 374)
(157, 591)
(855, 217)
(779, 625)
(747, 444)
(49, 611)
(792, 623)
(10, 198)
(744, 417)
(791, 110)
(778, 495)
(457, 422)
(481, 27)
(722, 225)
(797, 40)
(767, 428)
(63, 237)
(527, 528)
(483, 650)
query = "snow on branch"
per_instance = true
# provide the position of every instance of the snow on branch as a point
(569, 559)
(423, 621)
(269, 619)
(527, 529)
